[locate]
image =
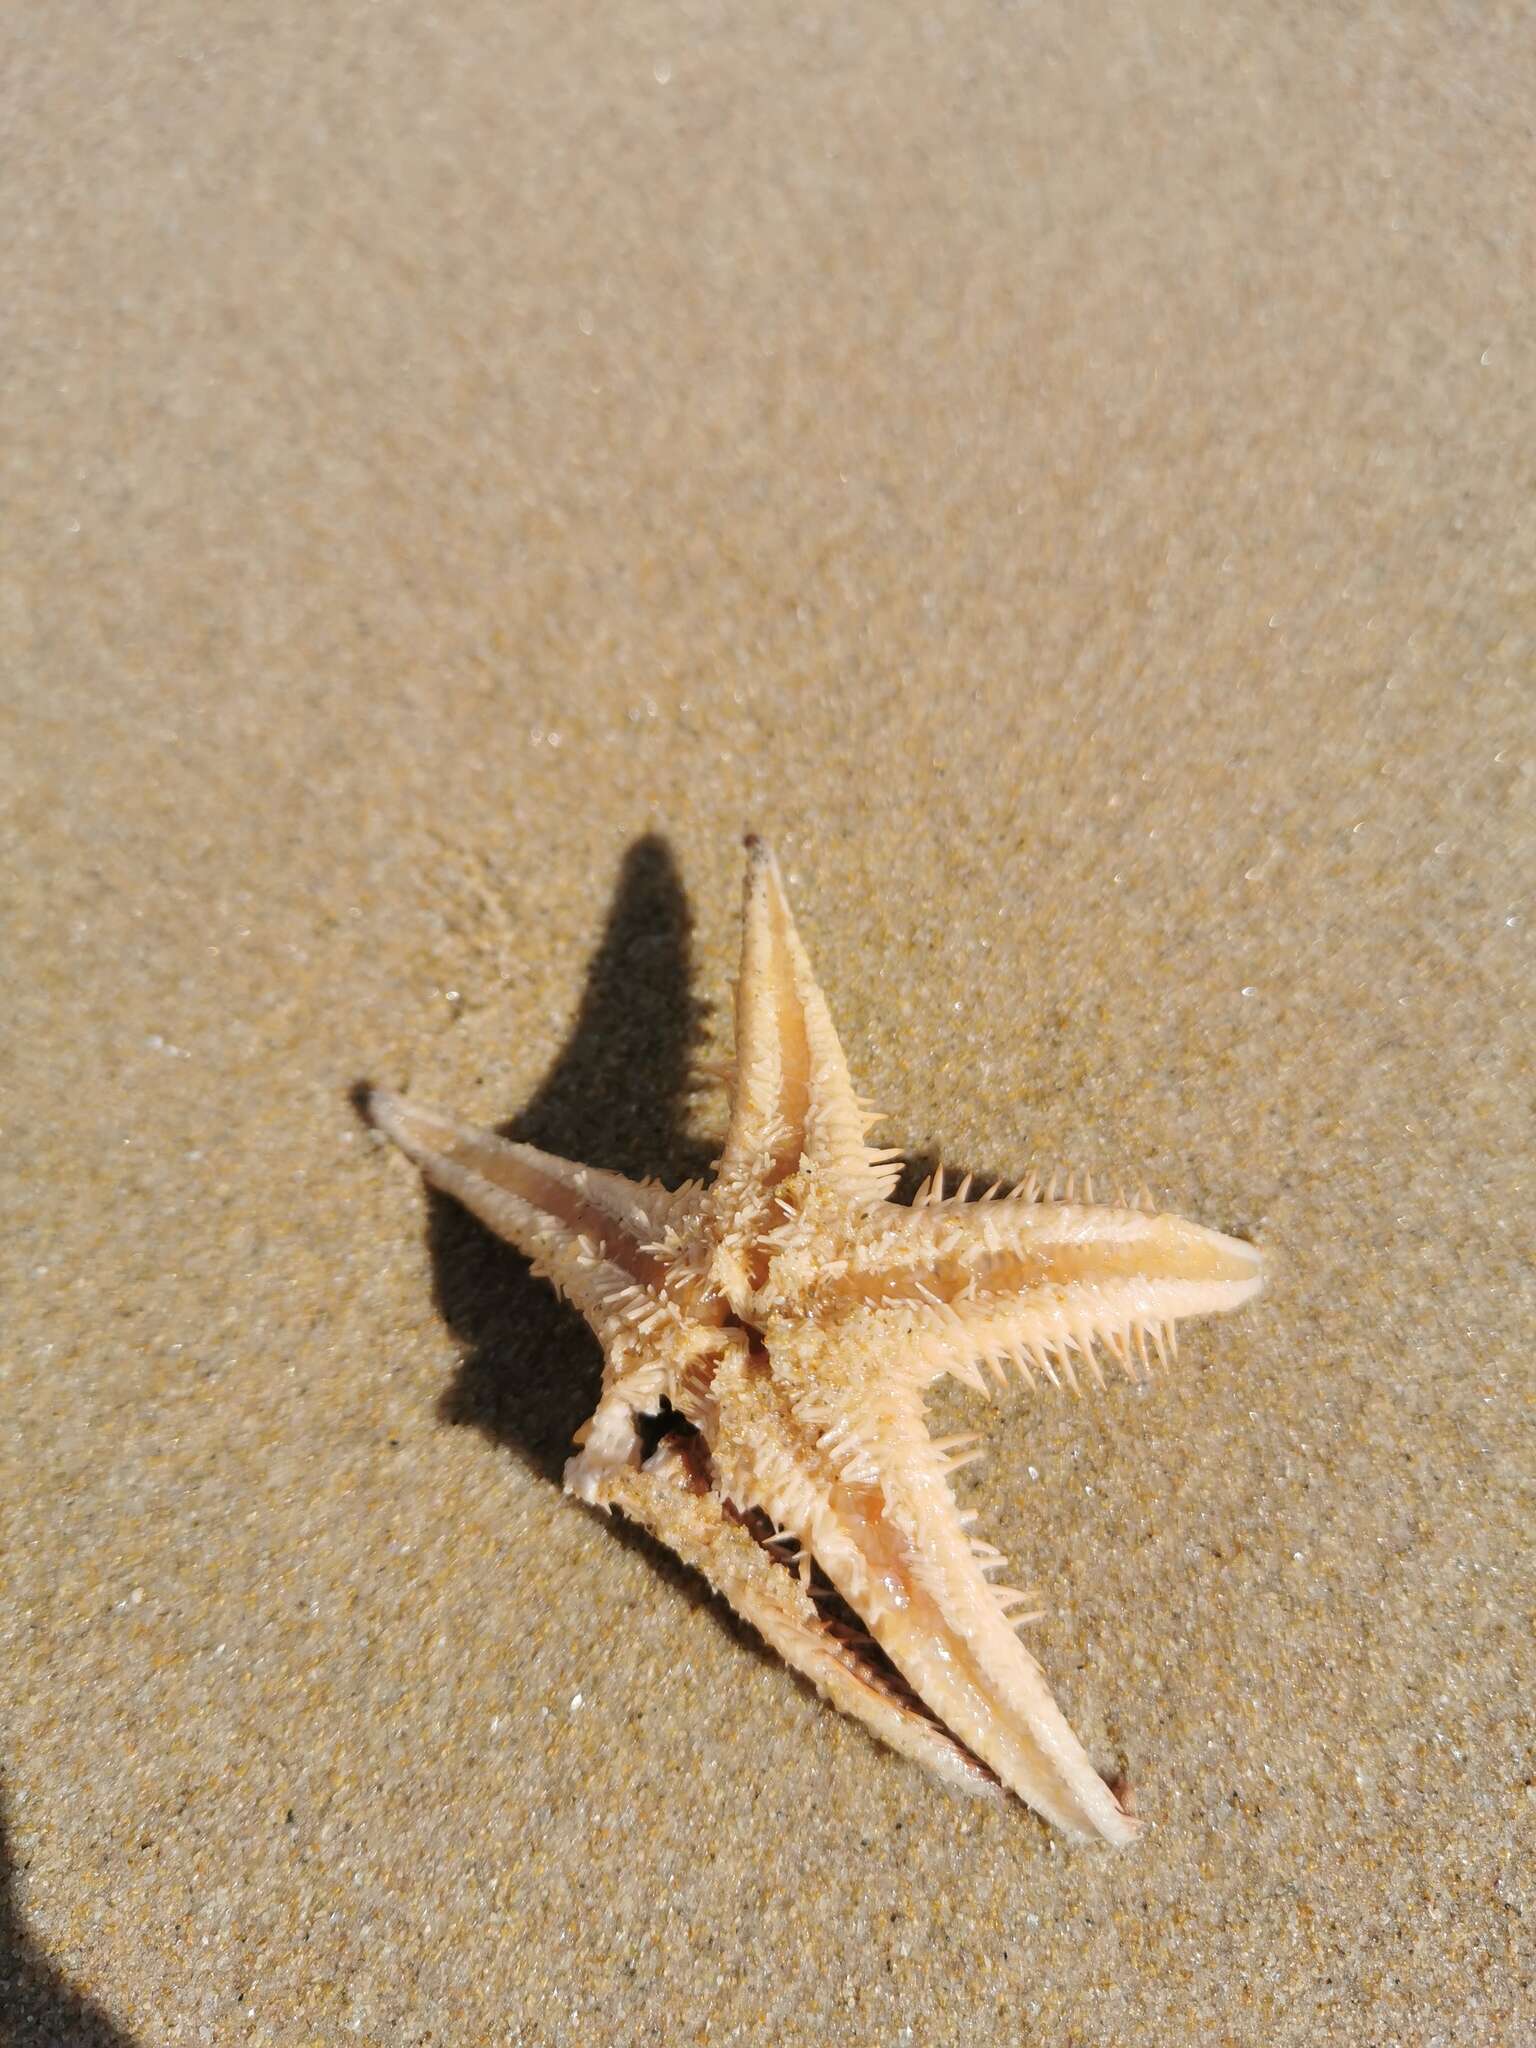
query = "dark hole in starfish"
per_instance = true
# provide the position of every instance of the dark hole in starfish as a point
(664, 1423)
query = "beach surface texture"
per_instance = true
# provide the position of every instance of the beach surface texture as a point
(1064, 475)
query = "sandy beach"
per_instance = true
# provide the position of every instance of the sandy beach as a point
(1063, 474)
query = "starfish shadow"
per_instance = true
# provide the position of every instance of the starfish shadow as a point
(617, 1096)
(38, 2004)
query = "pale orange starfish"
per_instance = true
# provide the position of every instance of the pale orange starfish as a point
(777, 1331)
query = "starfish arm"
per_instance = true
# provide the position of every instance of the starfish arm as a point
(794, 1101)
(667, 1498)
(924, 1599)
(857, 1480)
(593, 1233)
(1036, 1284)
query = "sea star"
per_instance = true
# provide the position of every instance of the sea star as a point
(768, 1340)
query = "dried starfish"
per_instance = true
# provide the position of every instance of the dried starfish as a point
(779, 1327)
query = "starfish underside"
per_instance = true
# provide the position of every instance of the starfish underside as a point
(775, 1333)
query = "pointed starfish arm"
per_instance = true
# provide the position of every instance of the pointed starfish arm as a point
(590, 1232)
(900, 1556)
(794, 1099)
(1033, 1283)
(871, 1503)
(667, 1497)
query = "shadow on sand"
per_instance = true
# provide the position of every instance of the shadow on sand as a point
(618, 1097)
(39, 2007)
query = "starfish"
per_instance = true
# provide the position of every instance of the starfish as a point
(768, 1341)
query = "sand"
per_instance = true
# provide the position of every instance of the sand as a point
(1066, 475)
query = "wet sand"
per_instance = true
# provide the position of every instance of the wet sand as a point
(1065, 475)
